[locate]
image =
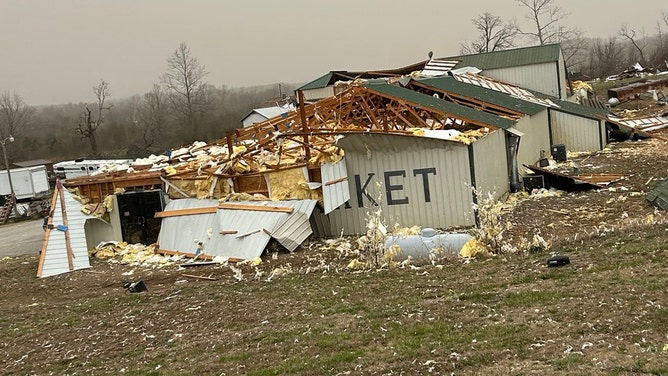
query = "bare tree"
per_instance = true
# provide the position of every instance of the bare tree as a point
(15, 114)
(152, 115)
(187, 89)
(90, 122)
(659, 57)
(494, 34)
(547, 18)
(639, 43)
(574, 49)
(606, 57)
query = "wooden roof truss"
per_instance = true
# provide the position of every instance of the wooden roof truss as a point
(357, 110)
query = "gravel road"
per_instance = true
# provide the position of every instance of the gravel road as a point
(21, 238)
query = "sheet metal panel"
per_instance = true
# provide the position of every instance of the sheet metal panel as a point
(542, 78)
(319, 93)
(536, 138)
(334, 195)
(491, 165)
(578, 133)
(293, 231)
(181, 233)
(428, 182)
(55, 257)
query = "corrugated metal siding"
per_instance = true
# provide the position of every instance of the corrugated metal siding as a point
(397, 158)
(536, 138)
(293, 231)
(319, 93)
(491, 165)
(538, 77)
(182, 233)
(55, 257)
(334, 195)
(576, 132)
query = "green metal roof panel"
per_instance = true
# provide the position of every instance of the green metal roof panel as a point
(441, 105)
(451, 85)
(578, 109)
(659, 195)
(510, 58)
(318, 83)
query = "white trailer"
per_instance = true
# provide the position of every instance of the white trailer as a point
(28, 182)
(83, 167)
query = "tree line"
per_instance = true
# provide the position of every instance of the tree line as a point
(183, 107)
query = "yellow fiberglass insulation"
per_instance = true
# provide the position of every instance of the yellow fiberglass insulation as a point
(331, 154)
(203, 186)
(291, 184)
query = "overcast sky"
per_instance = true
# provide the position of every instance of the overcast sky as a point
(55, 51)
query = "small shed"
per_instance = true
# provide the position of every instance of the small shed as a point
(259, 115)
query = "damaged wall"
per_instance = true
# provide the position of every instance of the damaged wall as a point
(421, 181)
(98, 230)
(491, 174)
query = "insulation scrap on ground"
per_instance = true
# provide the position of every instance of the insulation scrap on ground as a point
(132, 254)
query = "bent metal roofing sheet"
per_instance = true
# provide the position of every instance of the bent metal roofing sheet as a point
(229, 232)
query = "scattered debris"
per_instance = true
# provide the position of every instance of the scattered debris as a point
(558, 260)
(659, 195)
(138, 286)
(208, 278)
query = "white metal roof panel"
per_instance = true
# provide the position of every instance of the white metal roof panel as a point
(181, 233)
(293, 231)
(647, 124)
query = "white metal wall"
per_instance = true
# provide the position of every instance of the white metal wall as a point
(252, 119)
(538, 77)
(429, 182)
(536, 138)
(491, 165)
(320, 93)
(98, 230)
(577, 133)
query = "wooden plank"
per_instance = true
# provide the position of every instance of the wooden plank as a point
(227, 232)
(68, 244)
(45, 243)
(248, 233)
(186, 254)
(200, 277)
(189, 211)
(279, 209)
(339, 180)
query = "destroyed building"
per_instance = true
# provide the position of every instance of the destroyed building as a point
(421, 143)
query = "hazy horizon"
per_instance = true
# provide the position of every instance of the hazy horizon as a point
(54, 52)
